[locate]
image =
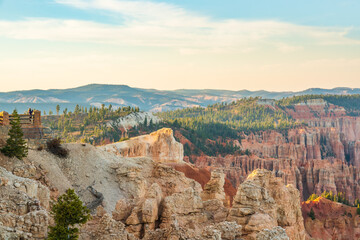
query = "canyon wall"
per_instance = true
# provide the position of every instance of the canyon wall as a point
(325, 155)
(143, 198)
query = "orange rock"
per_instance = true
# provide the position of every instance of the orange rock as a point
(332, 220)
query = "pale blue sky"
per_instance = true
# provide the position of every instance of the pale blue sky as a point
(228, 44)
(306, 12)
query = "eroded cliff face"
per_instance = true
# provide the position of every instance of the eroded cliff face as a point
(315, 108)
(23, 207)
(143, 198)
(332, 220)
(263, 202)
(322, 156)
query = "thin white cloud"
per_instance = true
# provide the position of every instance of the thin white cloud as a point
(162, 14)
(165, 25)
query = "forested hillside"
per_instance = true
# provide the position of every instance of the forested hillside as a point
(87, 125)
(214, 130)
(243, 115)
(217, 128)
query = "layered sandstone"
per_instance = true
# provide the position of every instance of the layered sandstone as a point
(203, 176)
(214, 189)
(315, 108)
(323, 156)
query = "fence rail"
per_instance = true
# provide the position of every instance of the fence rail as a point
(25, 119)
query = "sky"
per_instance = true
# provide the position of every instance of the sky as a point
(277, 45)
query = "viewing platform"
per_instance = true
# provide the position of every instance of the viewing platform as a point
(35, 134)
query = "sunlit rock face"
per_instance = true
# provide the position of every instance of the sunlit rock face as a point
(263, 202)
(161, 146)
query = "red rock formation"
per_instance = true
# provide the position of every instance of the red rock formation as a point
(202, 176)
(332, 220)
(315, 108)
(322, 156)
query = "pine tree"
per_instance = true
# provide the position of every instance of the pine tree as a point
(312, 214)
(68, 212)
(57, 109)
(15, 144)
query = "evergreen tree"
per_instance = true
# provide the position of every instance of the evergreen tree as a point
(68, 212)
(312, 214)
(15, 144)
(57, 109)
(145, 122)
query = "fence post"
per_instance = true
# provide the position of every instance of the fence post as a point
(37, 118)
(5, 116)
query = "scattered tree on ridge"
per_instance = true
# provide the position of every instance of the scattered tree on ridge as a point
(57, 109)
(15, 144)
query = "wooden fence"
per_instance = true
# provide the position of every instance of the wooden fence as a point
(26, 120)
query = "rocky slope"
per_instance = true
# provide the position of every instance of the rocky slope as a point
(332, 220)
(142, 197)
(133, 120)
(23, 207)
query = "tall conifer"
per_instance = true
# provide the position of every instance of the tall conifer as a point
(68, 213)
(15, 144)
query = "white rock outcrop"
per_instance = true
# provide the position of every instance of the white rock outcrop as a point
(161, 146)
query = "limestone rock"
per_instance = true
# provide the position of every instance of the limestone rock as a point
(183, 209)
(122, 209)
(224, 230)
(105, 228)
(22, 208)
(161, 146)
(263, 201)
(214, 189)
(276, 233)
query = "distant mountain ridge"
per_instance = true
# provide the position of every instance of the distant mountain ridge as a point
(147, 99)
